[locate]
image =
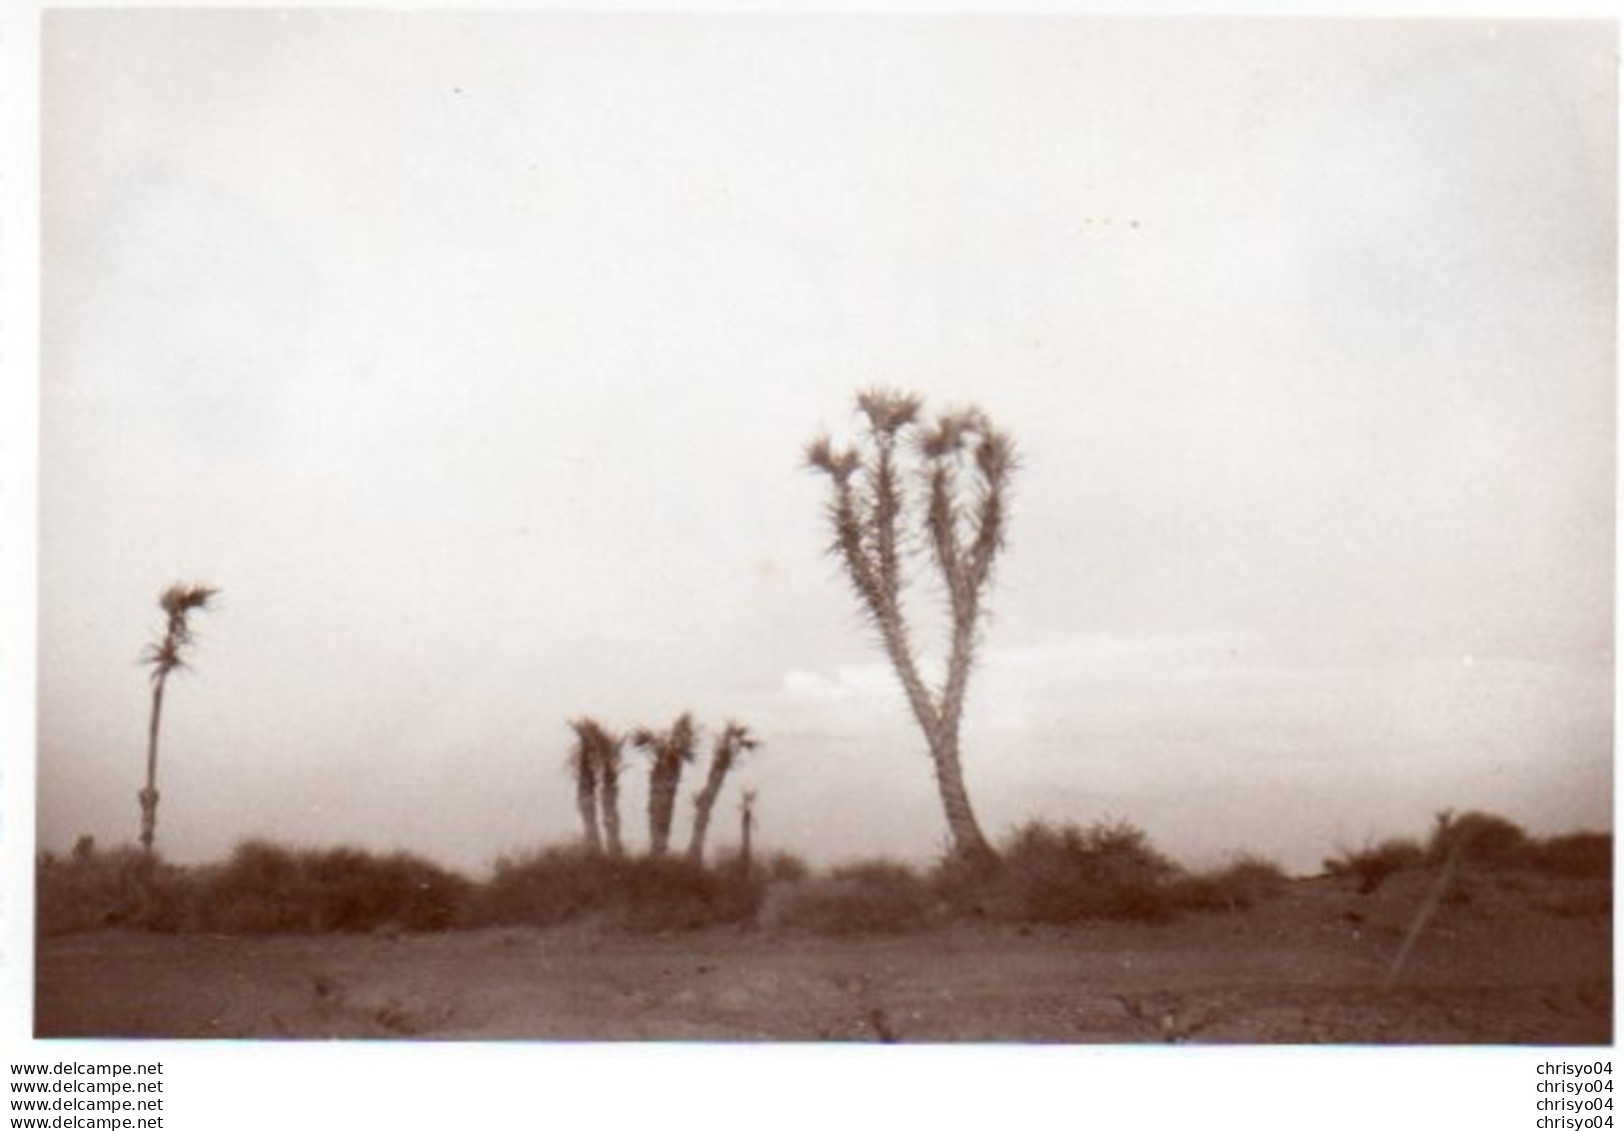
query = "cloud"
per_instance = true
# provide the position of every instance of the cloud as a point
(843, 684)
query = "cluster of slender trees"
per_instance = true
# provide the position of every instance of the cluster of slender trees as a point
(597, 760)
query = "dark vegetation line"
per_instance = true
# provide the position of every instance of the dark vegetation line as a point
(1068, 874)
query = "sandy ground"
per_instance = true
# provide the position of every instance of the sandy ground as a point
(1521, 961)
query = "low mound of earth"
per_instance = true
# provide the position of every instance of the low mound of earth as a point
(1506, 959)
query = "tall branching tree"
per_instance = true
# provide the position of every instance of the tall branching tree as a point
(732, 744)
(165, 656)
(938, 489)
(669, 751)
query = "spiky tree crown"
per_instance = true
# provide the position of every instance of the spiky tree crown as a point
(597, 745)
(675, 744)
(671, 750)
(583, 759)
(732, 743)
(178, 602)
(964, 468)
(735, 739)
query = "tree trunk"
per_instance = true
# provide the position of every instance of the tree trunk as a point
(696, 841)
(721, 761)
(586, 800)
(662, 803)
(968, 839)
(969, 842)
(609, 793)
(941, 726)
(149, 795)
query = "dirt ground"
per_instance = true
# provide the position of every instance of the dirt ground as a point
(1515, 960)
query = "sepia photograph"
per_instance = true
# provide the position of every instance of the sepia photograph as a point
(937, 529)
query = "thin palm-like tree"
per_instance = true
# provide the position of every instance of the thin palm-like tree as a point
(610, 760)
(747, 828)
(669, 750)
(732, 744)
(594, 763)
(166, 655)
(583, 767)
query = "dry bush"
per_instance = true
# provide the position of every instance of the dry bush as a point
(773, 867)
(662, 894)
(1579, 855)
(868, 896)
(1482, 838)
(1109, 870)
(1244, 882)
(785, 868)
(1373, 864)
(551, 886)
(120, 888)
(556, 885)
(1482, 842)
(269, 889)
(91, 889)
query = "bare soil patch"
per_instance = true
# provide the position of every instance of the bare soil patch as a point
(1509, 959)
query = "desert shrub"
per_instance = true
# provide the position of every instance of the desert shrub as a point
(785, 868)
(363, 892)
(1373, 864)
(1109, 870)
(123, 887)
(267, 889)
(870, 895)
(671, 893)
(175, 900)
(556, 885)
(876, 872)
(543, 888)
(91, 889)
(1244, 882)
(1484, 838)
(773, 867)
(1126, 844)
(1580, 855)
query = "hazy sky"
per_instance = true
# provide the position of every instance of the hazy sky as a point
(473, 356)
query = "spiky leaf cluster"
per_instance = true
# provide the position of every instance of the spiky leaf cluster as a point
(177, 602)
(960, 467)
(671, 750)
